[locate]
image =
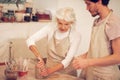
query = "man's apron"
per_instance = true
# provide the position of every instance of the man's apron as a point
(57, 51)
(99, 48)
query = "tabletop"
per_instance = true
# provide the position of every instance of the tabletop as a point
(31, 75)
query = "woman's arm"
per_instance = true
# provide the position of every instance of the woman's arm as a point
(31, 44)
(55, 68)
(40, 63)
(36, 37)
(34, 49)
(44, 32)
(75, 39)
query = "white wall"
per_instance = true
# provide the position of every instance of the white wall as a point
(45, 4)
(115, 5)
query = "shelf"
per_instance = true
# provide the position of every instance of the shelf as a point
(44, 20)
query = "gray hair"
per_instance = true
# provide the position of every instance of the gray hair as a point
(66, 14)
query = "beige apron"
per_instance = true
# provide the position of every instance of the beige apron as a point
(57, 51)
(99, 48)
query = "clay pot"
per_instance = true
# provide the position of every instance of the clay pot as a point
(10, 74)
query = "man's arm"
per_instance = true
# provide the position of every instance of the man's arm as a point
(80, 62)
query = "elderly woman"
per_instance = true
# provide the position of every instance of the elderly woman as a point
(63, 42)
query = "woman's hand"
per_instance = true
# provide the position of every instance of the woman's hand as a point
(42, 67)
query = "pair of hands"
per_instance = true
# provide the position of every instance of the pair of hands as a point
(80, 62)
(41, 65)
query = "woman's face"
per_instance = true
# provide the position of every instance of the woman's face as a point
(63, 25)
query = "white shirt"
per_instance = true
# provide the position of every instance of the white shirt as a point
(49, 31)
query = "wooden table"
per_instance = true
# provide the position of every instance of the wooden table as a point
(31, 75)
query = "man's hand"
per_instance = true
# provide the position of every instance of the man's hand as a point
(80, 63)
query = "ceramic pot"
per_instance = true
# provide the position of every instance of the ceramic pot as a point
(27, 18)
(34, 18)
(10, 74)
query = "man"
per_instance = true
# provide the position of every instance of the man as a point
(100, 62)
